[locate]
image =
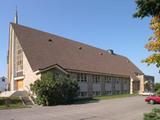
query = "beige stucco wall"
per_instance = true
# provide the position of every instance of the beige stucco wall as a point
(29, 75)
(11, 58)
(141, 78)
(131, 85)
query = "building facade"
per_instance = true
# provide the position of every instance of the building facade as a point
(98, 72)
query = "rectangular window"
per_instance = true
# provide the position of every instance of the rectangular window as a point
(96, 79)
(117, 81)
(96, 93)
(108, 79)
(82, 77)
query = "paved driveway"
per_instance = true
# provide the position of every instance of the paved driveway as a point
(131, 108)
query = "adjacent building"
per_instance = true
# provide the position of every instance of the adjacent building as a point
(98, 72)
(3, 84)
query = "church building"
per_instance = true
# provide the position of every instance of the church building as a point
(98, 72)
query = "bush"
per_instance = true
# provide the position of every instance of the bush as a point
(158, 92)
(53, 91)
(153, 115)
(156, 87)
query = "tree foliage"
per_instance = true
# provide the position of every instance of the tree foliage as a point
(146, 8)
(50, 90)
(151, 8)
(153, 115)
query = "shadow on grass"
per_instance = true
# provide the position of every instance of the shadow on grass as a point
(85, 100)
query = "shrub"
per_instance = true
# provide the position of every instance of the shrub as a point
(153, 115)
(53, 91)
(156, 87)
(158, 92)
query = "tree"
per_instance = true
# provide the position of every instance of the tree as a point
(50, 90)
(151, 8)
(146, 8)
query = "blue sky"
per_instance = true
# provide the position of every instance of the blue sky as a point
(106, 24)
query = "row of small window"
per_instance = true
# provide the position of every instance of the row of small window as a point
(82, 77)
(109, 79)
(115, 78)
(98, 93)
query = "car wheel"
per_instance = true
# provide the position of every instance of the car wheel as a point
(152, 102)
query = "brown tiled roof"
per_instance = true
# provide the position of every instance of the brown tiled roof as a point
(44, 49)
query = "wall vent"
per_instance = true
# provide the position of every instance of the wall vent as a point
(110, 51)
(50, 40)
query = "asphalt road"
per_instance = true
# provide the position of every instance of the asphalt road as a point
(131, 108)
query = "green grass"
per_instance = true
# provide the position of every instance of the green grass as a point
(11, 103)
(113, 96)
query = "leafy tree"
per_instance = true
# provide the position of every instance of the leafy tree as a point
(147, 8)
(153, 115)
(151, 8)
(50, 90)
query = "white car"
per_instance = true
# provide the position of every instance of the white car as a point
(147, 93)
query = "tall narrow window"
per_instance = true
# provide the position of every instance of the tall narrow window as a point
(19, 59)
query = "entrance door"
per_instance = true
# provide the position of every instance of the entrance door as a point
(19, 84)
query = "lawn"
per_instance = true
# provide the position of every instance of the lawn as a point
(113, 96)
(98, 98)
(11, 103)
